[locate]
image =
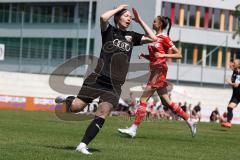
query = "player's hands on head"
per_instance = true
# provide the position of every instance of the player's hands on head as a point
(122, 6)
(137, 17)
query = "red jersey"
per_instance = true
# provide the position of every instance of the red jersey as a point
(162, 45)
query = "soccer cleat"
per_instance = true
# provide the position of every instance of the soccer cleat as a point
(67, 101)
(82, 148)
(128, 132)
(60, 99)
(226, 124)
(192, 124)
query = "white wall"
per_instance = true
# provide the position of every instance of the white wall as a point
(36, 85)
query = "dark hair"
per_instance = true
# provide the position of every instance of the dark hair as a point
(197, 108)
(119, 14)
(164, 22)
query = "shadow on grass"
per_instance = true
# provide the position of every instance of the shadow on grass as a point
(72, 148)
(220, 129)
(121, 135)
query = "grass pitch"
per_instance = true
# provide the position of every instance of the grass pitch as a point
(41, 135)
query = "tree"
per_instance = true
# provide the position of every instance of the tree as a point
(237, 15)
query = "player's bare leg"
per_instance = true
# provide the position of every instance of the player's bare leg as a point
(141, 111)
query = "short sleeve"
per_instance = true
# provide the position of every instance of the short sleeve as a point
(109, 27)
(137, 37)
(168, 43)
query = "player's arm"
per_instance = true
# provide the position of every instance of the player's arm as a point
(176, 54)
(150, 36)
(107, 15)
(142, 55)
(235, 85)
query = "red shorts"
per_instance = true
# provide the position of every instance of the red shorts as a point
(158, 74)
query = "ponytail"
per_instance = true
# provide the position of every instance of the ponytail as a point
(165, 21)
(170, 25)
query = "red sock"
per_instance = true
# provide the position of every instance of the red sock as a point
(140, 113)
(176, 108)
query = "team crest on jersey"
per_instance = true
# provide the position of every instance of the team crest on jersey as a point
(128, 38)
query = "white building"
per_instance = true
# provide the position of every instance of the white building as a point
(39, 35)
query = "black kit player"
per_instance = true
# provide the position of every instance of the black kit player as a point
(235, 99)
(106, 81)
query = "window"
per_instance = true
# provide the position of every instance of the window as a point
(47, 47)
(212, 55)
(192, 18)
(94, 9)
(36, 48)
(69, 48)
(68, 14)
(235, 23)
(167, 9)
(202, 16)
(16, 13)
(57, 48)
(27, 14)
(216, 18)
(25, 48)
(200, 50)
(187, 52)
(186, 15)
(226, 23)
(58, 14)
(45, 14)
(36, 14)
(4, 13)
(177, 13)
(12, 47)
(210, 18)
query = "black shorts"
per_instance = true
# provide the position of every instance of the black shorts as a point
(235, 99)
(98, 86)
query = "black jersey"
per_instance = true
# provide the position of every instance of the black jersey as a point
(116, 52)
(236, 79)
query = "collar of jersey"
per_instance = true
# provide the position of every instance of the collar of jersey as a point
(161, 34)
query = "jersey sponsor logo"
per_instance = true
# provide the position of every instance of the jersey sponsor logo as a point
(112, 46)
(124, 46)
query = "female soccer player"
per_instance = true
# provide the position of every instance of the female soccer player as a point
(157, 81)
(235, 99)
(111, 70)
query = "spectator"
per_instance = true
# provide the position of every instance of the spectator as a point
(184, 107)
(196, 112)
(215, 116)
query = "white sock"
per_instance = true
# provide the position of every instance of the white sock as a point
(134, 127)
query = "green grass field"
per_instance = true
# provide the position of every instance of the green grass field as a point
(41, 135)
